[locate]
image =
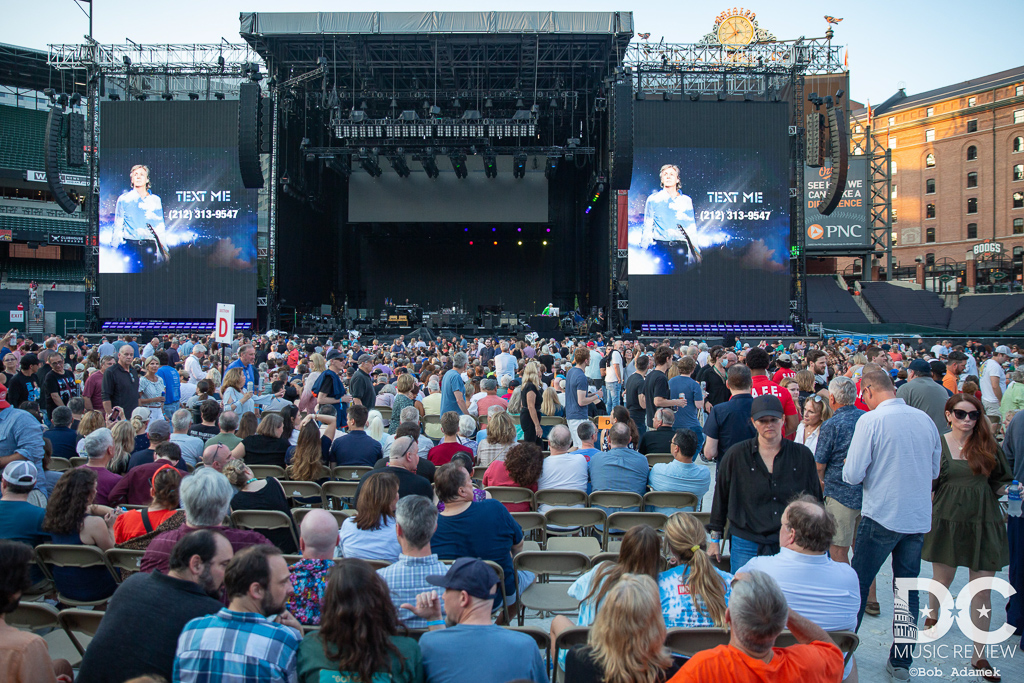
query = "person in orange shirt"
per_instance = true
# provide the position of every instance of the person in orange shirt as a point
(954, 367)
(756, 615)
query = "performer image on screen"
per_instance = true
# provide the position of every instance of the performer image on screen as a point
(670, 229)
(139, 224)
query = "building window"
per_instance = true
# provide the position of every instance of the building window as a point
(894, 191)
(972, 231)
(1018, 226)
(1018, 116)
(972, 126)
(895, 238)
(929, 135)
(1018, 254)
(1018, 172)
(892, 120)
(929, 235)
(929, 161)
(930, 111)
(856, 128)
(892, 142)
(972, 101)
(929, 186)
(1018, 200)
(929, 259)
(972, 205)
(972, 153)
(1019, 91)
(972, 179)
(858, 150)
(892, 167)
(1018, 144)
(929, 211)
(895, 218)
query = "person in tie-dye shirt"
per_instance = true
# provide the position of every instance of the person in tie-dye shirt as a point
(318, 539)
(694, 593)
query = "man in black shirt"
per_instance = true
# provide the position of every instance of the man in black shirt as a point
(635, 393)
(209, 412)
(59, 386)
(403, 461)
(361, 386)
(659, 440)
(715, 389)
(25, 385)
(656, 393)
(121, 383)
(146, 614)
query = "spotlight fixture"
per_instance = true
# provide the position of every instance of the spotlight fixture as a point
(357, 115)
(167, 97)
(640, 95)
(363, 106)
(472, 115)
(394, 103)
(429, 165)
(553, 104)
(142, 97)
(551, 167)
(218, 95)
(397, 161)
(435, 111)
(457, 103)
(721, 95)
(535, 110)
(220, 61)
(76, 99)
(520, 104)
(488, 103)
(369, 163)
(127, 61)
(304, 143)
(114, 97)
(666, 96)
(519, 165)
(62, 99)
(695, 97)
(193, 96)
(50, 93)
(458, 160)
(490, 164)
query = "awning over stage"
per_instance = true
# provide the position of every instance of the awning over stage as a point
(291, 23)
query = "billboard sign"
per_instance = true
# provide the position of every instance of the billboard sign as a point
(849, 226)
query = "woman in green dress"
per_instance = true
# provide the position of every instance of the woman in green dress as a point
(967, 522)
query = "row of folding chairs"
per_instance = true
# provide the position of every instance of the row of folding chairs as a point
(674, 500)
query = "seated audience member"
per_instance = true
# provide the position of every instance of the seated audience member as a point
(620, 468)
(757, 614)
(521, 467)
(72, 518)
(261, 494)
(165, 499)
(266, 446)
(99, 447)
(442, 453)
(158, 431)
(588, 435)
(228, 425)
(247, 425)
(469, 528)
(358, 639)
(254, 638)
(627, 641)
(467, 427)
(216, 456)
(191, 446)
(134, 487)
(424, 467)
(682, 474)
(640, 553)
(562, 469)
(20, 520)
(61, 435)
(465, 461)
(415, 522)
(370, 535)
(124, 444)
(209, 411)
(24, 656)
(206, 496)
(693, 592)
(659, 439)
(308, 458)
(825, 592)
(140, 628)
(357, 447)
(318, 538)
(501, 436)
(469, 647)
(404, 461)
(91, 421)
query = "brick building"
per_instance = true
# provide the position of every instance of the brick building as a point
(957, 179)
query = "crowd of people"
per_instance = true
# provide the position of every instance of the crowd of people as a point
(822, 460)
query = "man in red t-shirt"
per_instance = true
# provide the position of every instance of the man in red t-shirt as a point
(442, 453)
(757, 361)
(785, 363)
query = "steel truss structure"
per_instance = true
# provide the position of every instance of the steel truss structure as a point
(880, 181)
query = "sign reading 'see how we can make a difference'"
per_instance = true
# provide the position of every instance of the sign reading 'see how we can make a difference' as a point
(849, 226)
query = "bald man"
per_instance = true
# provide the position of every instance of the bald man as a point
(216, 456)
(318, 537)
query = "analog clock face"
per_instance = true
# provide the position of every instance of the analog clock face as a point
(736, 31)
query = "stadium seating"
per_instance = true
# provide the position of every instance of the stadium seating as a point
(43, 271)
(897, 304)
(21, 139)
(830, 304)
(985, 312)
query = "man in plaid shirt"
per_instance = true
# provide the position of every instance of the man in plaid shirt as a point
(416, 521)
(253, 640)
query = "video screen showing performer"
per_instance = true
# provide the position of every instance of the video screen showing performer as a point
(139, 233)
(669, 229)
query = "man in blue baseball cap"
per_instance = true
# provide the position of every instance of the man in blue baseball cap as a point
(924, 393)
(466, 645)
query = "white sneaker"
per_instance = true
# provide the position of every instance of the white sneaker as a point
(897, 673)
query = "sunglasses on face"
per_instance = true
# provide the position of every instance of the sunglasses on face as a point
(964, 415)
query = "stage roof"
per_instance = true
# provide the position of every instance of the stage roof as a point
(25, 68)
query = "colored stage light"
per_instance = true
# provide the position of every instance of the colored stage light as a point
(495, 244)
(471, 243)
(520, 243)
(545, 243)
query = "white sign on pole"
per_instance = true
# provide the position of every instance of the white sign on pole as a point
(17, 316)
(225, 329)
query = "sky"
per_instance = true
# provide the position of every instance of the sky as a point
(892, 43)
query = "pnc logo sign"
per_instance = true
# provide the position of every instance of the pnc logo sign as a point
(815, 232)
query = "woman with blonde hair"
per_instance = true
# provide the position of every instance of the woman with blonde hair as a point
(532, 397)
(124, 445)
(317, 365)
(375, 426)
(501, 436)
(89, 423)
(627, 642)
(262, 494)
(234, 397)
(816, 411)
(805, 378)
(694, 593)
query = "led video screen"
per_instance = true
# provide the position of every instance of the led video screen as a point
(177, 228)
(709, 212)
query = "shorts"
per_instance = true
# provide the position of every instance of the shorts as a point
(991, 409)
(847, 520)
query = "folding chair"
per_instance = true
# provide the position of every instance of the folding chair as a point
(551, 420)
(350, 472)
(339, 493)
(658, 458)
(264, 520)
(561, 498)
(82, 621)
(61, 464)
(291, 559)
(612, 501)
(264, 471)
(690, 641)
(378, 564)
(339, 515)
(479, 471)
(78, 461)
(125, 561)
(569, 638)
(570, 520)
(512, 494)
(534, 525)
(607, 556)
(847, 641)
(628, 520)
(670, 502)
(74, 556)
(543, 596)
(33, 616)
(384, 411)
(309, 491)
(540, 636)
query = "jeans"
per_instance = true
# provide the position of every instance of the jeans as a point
(1015, 607)
(169, 410)
(612, 395)
(741, 551)
(874, 544)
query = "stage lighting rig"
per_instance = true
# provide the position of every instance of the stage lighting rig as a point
(397, 161)
(368, 160)
(519, 165)
(552, 166)
(51, 93)
(490, 164)
(193, 96)
(76, 99)
(458, 160)
(429, 165)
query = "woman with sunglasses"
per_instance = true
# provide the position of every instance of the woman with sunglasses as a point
(967, 522)
(816, 411)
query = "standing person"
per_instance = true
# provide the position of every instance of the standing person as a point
(577, 393)
(151, 386)
(361, 385)
(194, 364)
(635, 393)
(25, 385)
(993, 381)
(504, 363)
(60, 386)
(453, 387)
(254, 638)
(729, 422)
(613, 376)
(533, 398)
(758, 362)
(816, 412)
(121, 384)
(172, 384)
(92, 389)
(684, 386)
(895, 453)
(924, 393)
(715, 378)
(329, 388)
(656, 390)
(967, 522)
(245, 363)
(756, 478)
